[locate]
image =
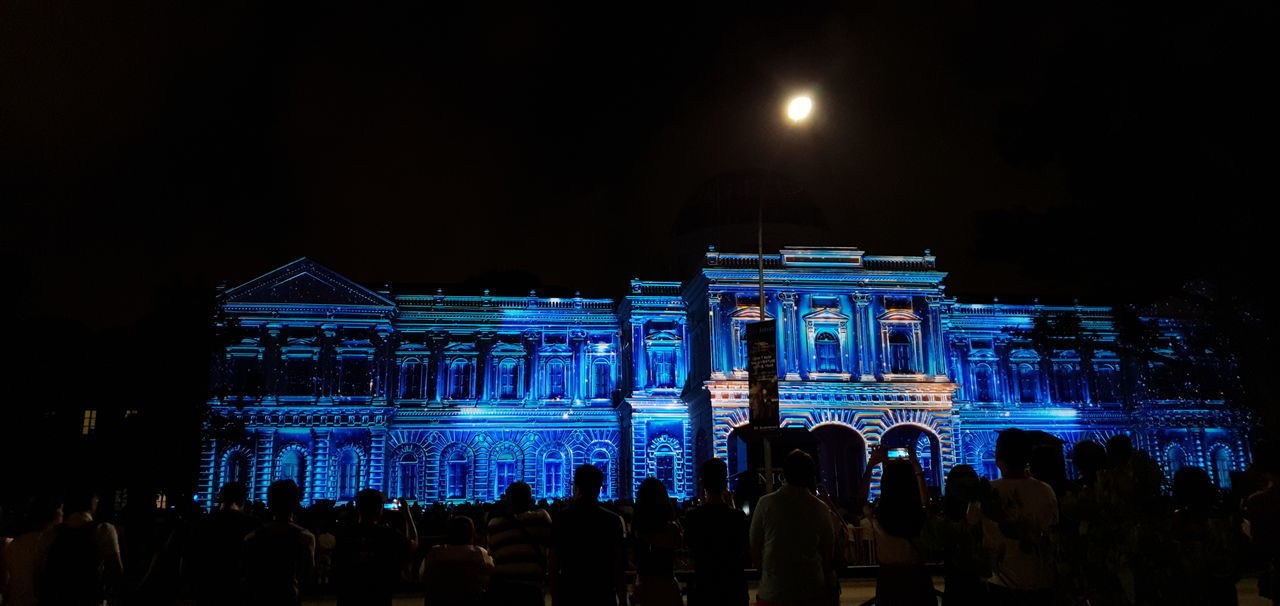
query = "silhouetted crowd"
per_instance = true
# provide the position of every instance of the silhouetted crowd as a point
(1118, 533)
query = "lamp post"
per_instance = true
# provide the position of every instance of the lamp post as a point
(798, 110)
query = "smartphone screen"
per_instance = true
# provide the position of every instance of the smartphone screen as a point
(899, 453)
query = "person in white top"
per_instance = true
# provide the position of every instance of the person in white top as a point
(1014, 532)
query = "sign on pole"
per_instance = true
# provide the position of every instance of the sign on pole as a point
(762, 374)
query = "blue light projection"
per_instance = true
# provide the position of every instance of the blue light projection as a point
(439, 397)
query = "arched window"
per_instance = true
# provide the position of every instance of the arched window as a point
(1067, 380)
(507, 379)
(460, 380)
(1028, 383)
(553, 475)
(411, 379)
(457, 471)
(665, 467)
(662, 368)
(1107, 378)
(504, 471)
(600, 459)
(348, 475)
(924, 453)
(1222, 464)
(602, 379)
(901, 353)
(827, 349)
(1177, 458)
(988, 464)
(555, 379)
(982, 383)
(239, 469)
(293, 466)
(407, 478)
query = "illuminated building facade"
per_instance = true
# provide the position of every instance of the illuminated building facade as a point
(439, 397)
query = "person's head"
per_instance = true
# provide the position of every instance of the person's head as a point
(714, 476)
(1047, 462)
(900, 511)
(653, 505)
(369, 504)
(519, 496)
(232, 495)
(963, 486)
(84, 500)
(1119, 450)
(799, 470)
(1089, 457)
(587, 480)
(1192, 488)
(282, 498)
(459, 530)
(1013, 452)
(45, 511)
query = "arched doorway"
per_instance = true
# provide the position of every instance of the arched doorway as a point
(925, 444)
(840, 454)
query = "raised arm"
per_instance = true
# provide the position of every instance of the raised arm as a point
(878, 456)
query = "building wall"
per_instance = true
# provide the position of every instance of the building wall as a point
(442, 397)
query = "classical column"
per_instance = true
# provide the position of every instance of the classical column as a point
(208, 471)
(577, 340)
(937, 359)
(714, 330)
(531, 339)
(319, 476)
(272, 364)
(639, 365)
(484, 342)
(264, 461)
(791, 335)
(866, 336)
(378, 459)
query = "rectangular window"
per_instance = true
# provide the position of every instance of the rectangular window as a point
(666, 468)
(89, 422)
(507, 380)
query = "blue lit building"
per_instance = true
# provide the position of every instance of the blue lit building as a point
(440, 397)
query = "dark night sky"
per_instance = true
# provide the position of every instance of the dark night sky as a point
(1101, 150)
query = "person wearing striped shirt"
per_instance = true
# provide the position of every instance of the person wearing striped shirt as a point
(518, 537)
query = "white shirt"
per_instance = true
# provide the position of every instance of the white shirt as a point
(792, 528)
(1031, 505)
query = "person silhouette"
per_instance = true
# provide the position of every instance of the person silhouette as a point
(84, 561)
(368, 556)
(716, 534)
(217, 552)
(588, 553)
(280, 554)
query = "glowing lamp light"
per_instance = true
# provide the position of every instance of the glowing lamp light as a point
(799, 108)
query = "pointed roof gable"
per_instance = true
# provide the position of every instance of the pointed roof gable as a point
(304, 282)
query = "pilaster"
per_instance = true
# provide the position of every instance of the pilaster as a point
(264, 460)
(378, 459)
(319, 476)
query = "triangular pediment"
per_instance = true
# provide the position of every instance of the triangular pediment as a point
(304, 282)
(662, 336)
(826, 314)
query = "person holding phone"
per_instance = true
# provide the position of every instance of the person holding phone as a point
(897, 518)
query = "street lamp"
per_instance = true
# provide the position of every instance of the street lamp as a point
(799, 108)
